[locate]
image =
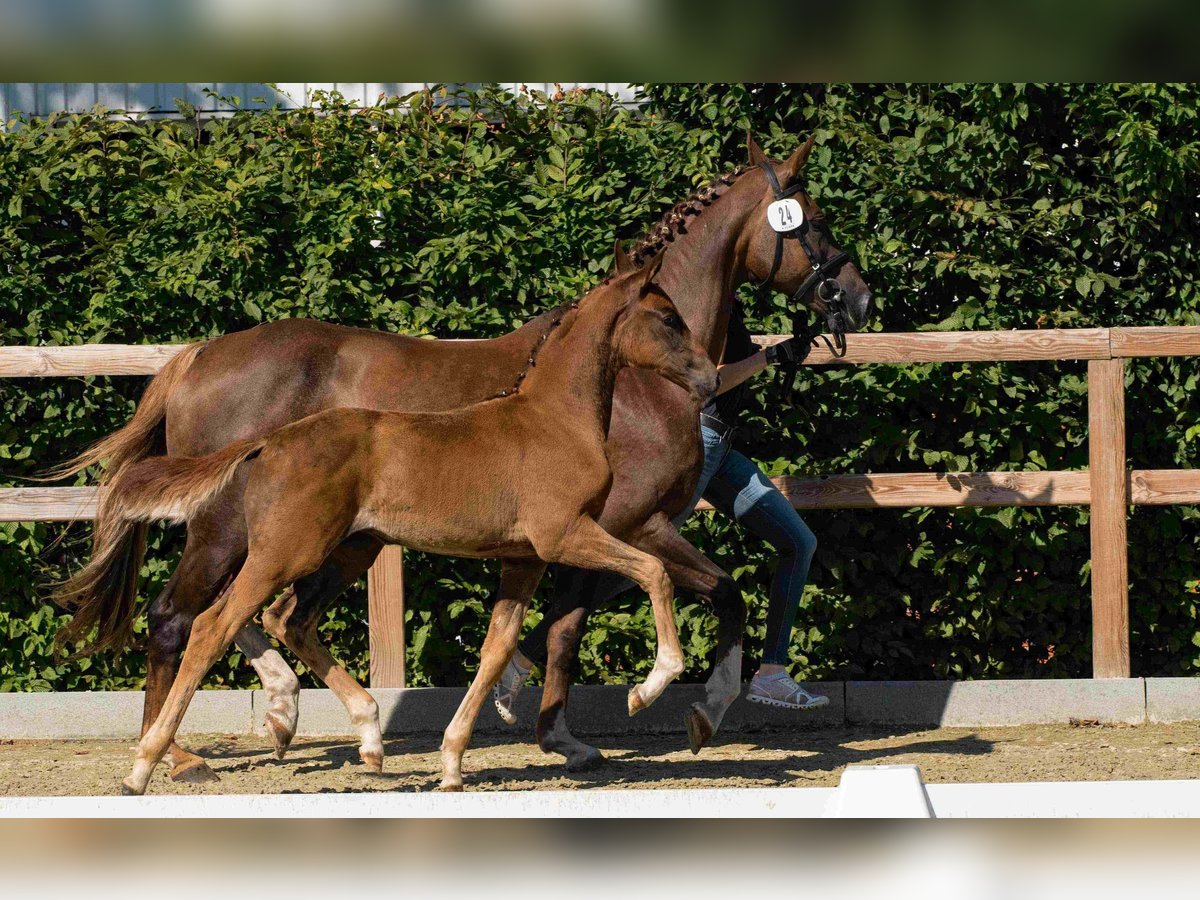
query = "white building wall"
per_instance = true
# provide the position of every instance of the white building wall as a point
(158, 98)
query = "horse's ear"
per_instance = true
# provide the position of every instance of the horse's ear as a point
(797, 160)
(757, 157)
(623, 264)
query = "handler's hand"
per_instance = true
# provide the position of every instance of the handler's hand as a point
(787, 351)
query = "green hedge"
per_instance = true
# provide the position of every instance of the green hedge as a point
(968, 206)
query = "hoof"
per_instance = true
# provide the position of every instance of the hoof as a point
(699, 729)
(372, 760)
(194, 771)
(281, 733)
(128, 790)
(450, 787)
(636, 703)
(586, 761)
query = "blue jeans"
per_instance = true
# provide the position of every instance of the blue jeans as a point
(735, 486)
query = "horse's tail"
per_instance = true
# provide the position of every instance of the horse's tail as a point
(103, 594)
(142, 436)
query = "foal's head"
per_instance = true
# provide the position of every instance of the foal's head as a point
(650, 334)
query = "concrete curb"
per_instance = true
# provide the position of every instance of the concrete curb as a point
(115, 714)
(977, 703)
(1172, 699)
(601, 709)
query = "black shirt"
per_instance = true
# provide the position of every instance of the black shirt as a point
(738, 346)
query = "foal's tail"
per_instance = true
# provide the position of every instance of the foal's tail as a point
(103, 593)
(142, 435)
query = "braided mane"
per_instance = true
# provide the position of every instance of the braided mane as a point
(671, 225)
(675, 221)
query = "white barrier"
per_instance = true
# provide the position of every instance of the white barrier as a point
(880, 792)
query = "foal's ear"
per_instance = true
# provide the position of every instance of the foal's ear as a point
(624, 265)
(797, 160)
(649, 270)
(757, 157)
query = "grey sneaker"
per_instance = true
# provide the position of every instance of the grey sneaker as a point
(507, 688)
(781, 690)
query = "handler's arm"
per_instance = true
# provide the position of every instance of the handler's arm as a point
(733, 374)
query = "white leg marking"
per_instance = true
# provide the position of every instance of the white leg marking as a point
(280, 683)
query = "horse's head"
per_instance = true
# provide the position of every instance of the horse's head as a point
(650, 334)
(789, 247)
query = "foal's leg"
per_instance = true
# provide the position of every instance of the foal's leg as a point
(518, 580)
(216, 545)
(168, 631)
(203, 570)
(294, 617)
(212, 633)
(589, 546)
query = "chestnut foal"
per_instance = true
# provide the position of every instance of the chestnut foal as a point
(520, 477)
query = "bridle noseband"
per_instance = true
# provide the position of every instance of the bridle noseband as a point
(820, 279)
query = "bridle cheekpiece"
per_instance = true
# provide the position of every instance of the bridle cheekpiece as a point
(820, 278)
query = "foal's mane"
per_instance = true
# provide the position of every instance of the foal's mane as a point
(674, 222)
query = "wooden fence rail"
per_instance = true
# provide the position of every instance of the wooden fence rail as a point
(1108, 486)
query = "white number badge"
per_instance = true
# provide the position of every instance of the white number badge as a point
(785, 215)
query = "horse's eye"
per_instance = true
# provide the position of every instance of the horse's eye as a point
(673, 322)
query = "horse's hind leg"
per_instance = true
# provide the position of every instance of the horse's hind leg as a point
(692, 571)
(279, 682)
(304, 602)
(168, 633)
(211, 634)
(576, 593)
(586, 545)
(689, 570)
(294, 617)
(518, 581)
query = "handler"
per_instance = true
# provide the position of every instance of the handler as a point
(735, 486)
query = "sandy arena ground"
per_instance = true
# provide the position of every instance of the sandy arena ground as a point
(809, 758)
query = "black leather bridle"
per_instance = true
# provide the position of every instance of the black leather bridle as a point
(820, 278)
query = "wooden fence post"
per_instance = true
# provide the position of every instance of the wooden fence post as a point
(385, 618)
(1110, 556)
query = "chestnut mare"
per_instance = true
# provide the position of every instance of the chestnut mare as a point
(522, 478)
(244, 385)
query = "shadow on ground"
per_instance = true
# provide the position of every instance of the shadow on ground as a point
(765, 758)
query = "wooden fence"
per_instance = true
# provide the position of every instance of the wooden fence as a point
(1108, 485)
